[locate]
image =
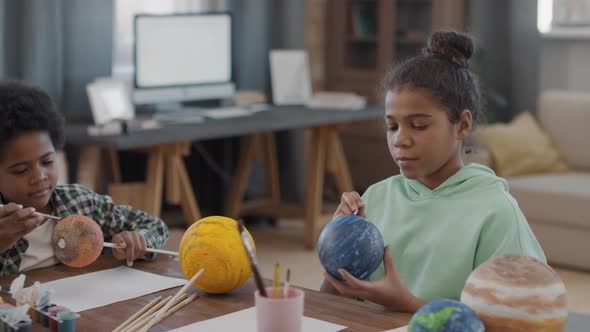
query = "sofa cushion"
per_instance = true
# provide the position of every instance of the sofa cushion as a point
(566, 117)
(561, 198)
(520, 147)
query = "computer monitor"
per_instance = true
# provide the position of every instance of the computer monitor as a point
(182, 57)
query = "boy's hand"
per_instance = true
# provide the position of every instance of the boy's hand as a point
(388, 291)
(16, 222)
(134, 246)
(350, 203)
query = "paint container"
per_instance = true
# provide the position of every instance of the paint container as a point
(67, 321)
(5, 310)
(34, 314)
(25, 325)
(3, 325)
(53, 311)
(44, 319)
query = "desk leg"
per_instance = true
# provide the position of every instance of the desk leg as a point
(183, 186)
(339, 164)
(155, 181)
(173, 182)
(272, 168)
(314, 182)
(324, 143)
(163, 161)
(235, 205)
(325, 152)
(89, 164)
(114, 165)
(239, 182)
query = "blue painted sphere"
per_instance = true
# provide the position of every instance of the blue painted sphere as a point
(351, 243)
(445, 315)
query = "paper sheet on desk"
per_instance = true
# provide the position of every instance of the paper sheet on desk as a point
(97, 289)
(246, 320)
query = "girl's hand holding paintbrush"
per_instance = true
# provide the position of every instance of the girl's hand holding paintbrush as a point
(350, 203)
(16, 222)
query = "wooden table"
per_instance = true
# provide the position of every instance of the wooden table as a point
(357, 316)
(167, 145)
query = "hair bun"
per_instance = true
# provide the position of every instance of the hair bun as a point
(456, 46)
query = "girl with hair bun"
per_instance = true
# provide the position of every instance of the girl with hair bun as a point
(440, 219)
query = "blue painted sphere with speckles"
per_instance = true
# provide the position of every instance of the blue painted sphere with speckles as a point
(351, 243)
(445, 315)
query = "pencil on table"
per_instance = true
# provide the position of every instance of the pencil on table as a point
(137, 314)
(170, 303)
(174, 309)
(140, 321)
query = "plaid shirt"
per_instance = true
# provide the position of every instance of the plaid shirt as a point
(76, 199)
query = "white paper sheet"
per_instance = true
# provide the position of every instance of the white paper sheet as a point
(399, 329)
(104, 287)
(246, 321)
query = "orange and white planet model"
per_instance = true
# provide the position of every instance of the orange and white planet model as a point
(517, 293)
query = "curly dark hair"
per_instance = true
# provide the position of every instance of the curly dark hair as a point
(25, 108)
(443, 69)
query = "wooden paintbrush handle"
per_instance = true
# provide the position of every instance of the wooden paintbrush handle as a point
(159, 251)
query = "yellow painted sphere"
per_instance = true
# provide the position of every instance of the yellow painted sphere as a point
(214, 243)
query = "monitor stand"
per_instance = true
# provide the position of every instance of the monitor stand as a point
(186, 93)
(179, 113)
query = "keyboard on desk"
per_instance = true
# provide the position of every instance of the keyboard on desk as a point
(189, 116)
(179, 117)
(227, 112)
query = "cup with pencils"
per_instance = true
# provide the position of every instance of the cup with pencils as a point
(282, 307)
(277, 308)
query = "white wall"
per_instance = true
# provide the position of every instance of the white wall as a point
(565, 64)
(525, 43)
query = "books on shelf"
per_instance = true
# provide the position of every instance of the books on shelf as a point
(363, 19)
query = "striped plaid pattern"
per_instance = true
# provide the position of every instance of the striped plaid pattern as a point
(112, 219)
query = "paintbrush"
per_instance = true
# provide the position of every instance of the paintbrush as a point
(252, 258)
(48, 216)
(159, 251)
(286, 285)
(277, 281)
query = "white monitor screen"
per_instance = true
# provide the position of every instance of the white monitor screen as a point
(173, 50)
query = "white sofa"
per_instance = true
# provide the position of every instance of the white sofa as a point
(557, 205)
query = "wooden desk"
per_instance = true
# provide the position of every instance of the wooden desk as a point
(166, 147)
(358, 316)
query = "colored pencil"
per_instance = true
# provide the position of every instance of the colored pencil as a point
(160, 314)
(137, 314)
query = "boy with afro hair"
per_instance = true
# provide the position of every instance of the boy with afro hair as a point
(31, 130)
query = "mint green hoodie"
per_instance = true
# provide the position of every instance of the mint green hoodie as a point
(439, 236)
